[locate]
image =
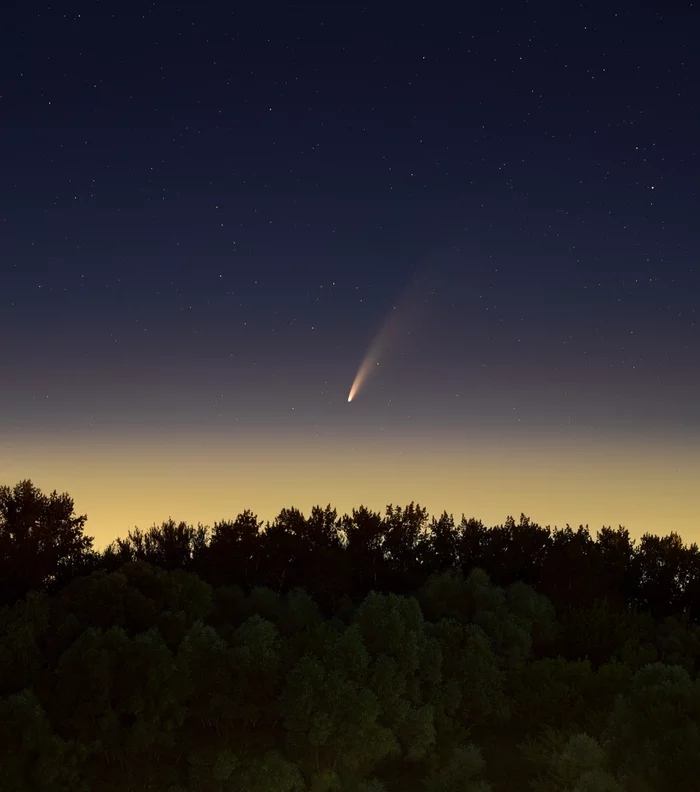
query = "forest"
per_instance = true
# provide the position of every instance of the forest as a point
(367, 652)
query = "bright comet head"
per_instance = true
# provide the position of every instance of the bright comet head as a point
(359, 379)
(389, 333)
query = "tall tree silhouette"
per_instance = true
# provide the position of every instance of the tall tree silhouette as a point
(439, 545)
(364, 533)
(665, 566)
(234, 550)
(42, 540)
(405, 530)
(170, 545)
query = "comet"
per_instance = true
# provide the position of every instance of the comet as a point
(392, 329)
(368, 364)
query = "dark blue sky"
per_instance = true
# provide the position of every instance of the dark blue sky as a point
(207, 210)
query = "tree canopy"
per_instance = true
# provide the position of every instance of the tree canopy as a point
(361, 653)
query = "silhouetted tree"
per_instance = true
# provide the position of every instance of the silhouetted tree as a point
(41, 540)
(615, 576)
(508, 553)
(439, 546)
(170, 545)
(365, 653)
(571, 568)
(364, 534)
(234, 550)
(405, 530)
(299, 551)
(665, 567)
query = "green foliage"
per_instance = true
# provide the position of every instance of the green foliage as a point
(461, 773)
(576, 764)
(555, 692)
(331, 714)
(370, 785)
(391, 626)
(119, 695)
(206, 664)
(300, 612)
(471, 689)
(534, 612)
(255, 654)
(654, 730)
(105, 600)
(20, 657)
(512, 619)
(365, 653)
(271, 772)
(597, 781)
(34, 758)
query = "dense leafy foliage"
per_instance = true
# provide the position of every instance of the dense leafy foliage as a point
(364, 653)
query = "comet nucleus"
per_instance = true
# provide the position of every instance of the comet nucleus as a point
(394, 326)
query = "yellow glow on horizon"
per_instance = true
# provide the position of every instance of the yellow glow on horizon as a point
(141, 482)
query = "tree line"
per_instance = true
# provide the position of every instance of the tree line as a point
(366, 652)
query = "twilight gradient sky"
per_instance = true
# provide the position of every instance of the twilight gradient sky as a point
(208, 210)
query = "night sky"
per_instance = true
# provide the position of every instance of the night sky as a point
(209, 211)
